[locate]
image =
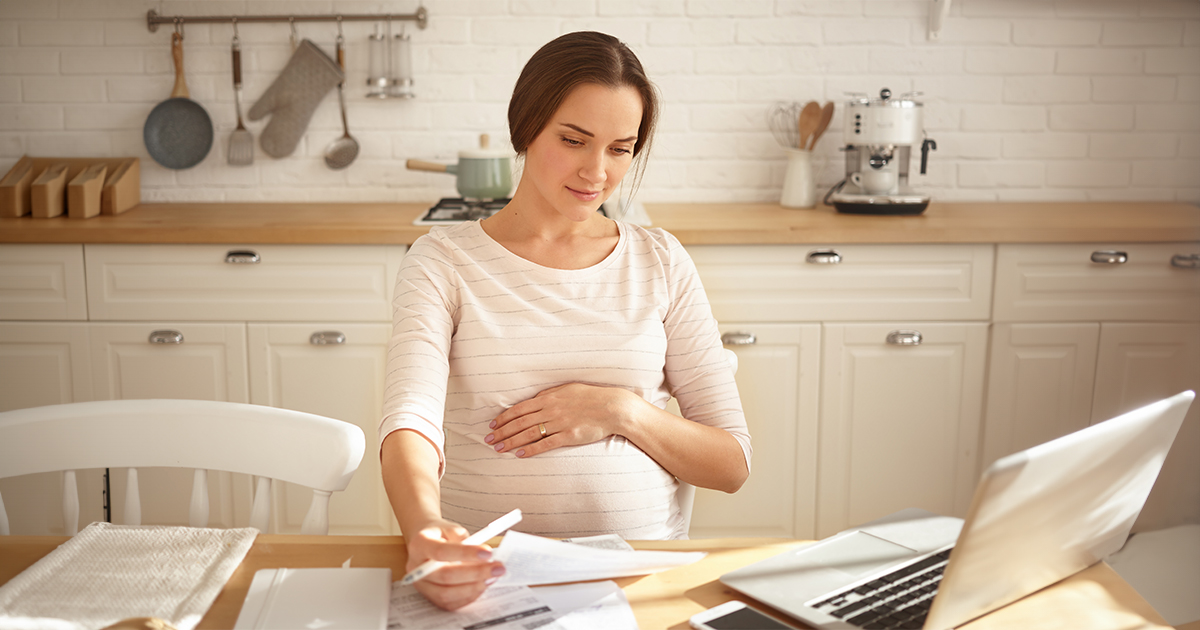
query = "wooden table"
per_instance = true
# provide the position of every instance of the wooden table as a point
(1095, 598)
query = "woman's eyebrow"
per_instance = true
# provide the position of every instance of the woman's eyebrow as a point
(592, 135)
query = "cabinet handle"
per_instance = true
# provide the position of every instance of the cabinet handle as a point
(904, 338)
(823, 257)
(242, 257)
(166, 336)
(1110, 257)
(739, 339)
(1186, 261)
(327, 338)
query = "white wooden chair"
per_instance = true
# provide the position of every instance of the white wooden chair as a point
(314, 451)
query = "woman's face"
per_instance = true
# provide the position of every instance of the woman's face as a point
(578, 160)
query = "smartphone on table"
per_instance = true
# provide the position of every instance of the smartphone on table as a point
(736, 616)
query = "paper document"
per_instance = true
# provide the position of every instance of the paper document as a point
(589, 606)
(568, 607)
(499, 608)
(533, 560)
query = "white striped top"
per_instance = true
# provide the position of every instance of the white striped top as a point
(477, 329)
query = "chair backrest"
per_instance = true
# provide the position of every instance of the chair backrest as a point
(314, 451)
(685, 495)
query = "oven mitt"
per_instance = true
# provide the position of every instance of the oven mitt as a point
(293, 97)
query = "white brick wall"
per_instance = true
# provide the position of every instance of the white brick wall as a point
(1028, 99)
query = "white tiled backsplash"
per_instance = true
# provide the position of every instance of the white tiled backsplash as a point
(1060, 100)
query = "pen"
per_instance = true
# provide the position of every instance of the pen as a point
(490, 531)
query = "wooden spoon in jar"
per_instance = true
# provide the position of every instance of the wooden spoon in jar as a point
(810, 116)
(823, 124)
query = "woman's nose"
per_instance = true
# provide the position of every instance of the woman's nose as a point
(592, 169)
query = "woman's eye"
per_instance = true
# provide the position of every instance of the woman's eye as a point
(571, 141)
(621, 150)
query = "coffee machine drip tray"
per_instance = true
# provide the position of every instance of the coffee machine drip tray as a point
(854, 202)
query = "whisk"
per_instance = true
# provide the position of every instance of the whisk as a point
(783, 119)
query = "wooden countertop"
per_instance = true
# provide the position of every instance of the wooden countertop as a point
(692, 223)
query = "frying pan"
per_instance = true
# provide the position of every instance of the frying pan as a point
(178, 132)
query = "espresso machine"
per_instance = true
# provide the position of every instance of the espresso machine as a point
(880, 135)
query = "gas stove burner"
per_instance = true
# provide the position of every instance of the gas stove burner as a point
(456, 210)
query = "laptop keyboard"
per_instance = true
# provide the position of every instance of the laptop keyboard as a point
(900, 599)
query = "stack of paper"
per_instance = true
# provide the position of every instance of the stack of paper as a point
(107, 573)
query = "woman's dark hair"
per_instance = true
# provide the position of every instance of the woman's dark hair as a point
(569, 61)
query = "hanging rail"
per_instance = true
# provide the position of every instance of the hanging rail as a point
(153, 19)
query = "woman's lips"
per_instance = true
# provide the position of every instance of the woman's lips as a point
(584, 196)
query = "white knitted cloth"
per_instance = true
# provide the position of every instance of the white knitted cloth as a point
(107, 573)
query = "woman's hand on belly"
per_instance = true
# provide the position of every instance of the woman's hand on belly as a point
(566, 415)
(457, 584)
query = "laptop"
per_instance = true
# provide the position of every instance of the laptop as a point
(1037, 517)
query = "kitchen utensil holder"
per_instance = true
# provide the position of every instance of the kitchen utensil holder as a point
(400, 76)
(121, 188)
(799, 188)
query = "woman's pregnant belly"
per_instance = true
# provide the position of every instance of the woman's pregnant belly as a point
(607, 487)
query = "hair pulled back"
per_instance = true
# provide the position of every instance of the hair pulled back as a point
(565, 63)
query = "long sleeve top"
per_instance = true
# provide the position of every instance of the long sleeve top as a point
(477, 329)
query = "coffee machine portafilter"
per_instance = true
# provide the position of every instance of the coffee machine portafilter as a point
(880, 134)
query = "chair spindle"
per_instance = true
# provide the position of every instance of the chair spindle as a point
(70, 503)
(133, 499)
(198, 512)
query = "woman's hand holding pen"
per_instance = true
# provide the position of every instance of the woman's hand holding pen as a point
(566, 415)
(457, 584)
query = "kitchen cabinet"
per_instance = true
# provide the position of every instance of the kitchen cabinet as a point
(172, 321)
(333, 370)
(860, 402)
(901, 409)
(1085, 332)
(777, 379)
(45, 363)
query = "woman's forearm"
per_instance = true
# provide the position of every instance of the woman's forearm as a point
(698, 454)
(410, 464)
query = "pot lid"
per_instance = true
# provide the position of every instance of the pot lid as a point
(483, 152)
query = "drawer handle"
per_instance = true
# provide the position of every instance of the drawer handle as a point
(904, 338)
(242, 257)
(1186, 261)
(327, 338)
(166, 336)
(1110, 257)
(739, 339)
(823, 257)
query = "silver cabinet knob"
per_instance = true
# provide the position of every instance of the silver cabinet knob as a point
(1110, 257)
(327, 338)
(1186, 261)
(166, 336)
(739, 339)
(904, 338)
(242, 257)
(823, 257)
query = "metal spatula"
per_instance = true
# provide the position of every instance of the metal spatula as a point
(241, 141)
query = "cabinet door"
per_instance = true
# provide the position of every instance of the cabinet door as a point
(336, 371)
(899, 424)
(1137, 365)
(45, 364)
(1039, 385)
(777, 379)
(207, 363)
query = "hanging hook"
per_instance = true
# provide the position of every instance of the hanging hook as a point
(235, 32)
(295, 38)
(339, 38)
(179, 26)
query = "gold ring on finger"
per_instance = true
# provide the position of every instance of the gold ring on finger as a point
(542, 429)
